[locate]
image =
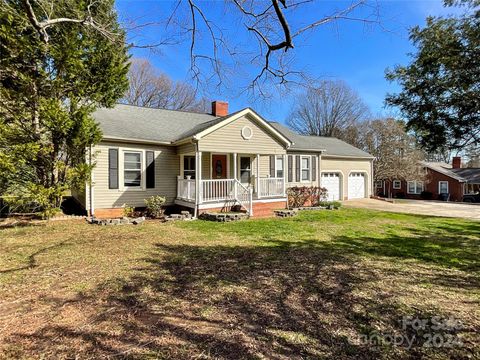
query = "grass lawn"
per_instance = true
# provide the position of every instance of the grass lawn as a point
(306, 287)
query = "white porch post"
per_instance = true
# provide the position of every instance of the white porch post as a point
(285, 167)
(235, 166)
(235, 190)
(257, 177)
(198, 178)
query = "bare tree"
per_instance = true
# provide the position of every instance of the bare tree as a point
(151, 88)
(272, 27)
(396, 152)
(327, 110)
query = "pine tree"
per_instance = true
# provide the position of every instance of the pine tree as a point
(48, 92)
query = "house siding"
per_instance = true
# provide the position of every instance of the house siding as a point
(229, 139)
(455, 187)
(187, 148)
(345, 166)
(294, 159)
(166, 171)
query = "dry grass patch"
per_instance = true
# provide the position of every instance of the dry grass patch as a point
(307, 287)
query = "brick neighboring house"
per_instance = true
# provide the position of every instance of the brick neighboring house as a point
(443, 182)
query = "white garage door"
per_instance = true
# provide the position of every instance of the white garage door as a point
(331, 181)
(356, 186)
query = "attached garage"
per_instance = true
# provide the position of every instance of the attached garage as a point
(356, 185)
(331, 181)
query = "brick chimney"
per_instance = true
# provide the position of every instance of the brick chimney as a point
(219, 108)
(456, 162)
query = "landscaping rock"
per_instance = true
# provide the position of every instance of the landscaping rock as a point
(138, 221)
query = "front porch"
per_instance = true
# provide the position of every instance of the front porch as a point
(220, 181)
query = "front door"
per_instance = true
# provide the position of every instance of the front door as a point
(219, 166)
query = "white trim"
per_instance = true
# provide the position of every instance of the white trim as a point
(416, 185)
(239, 170)
(235, 116)
(439, 186)
(309, 157)
(244, 130)
(121, 170)
(377, 183)
(396, 187)
(182, 163)
(347, 157)
(283, 163)
(135, 141)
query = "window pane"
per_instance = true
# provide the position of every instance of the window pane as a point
(305, 163)
(132, 157)
(245, 163)
(245, 176)
(411, 187)
(419, 187)
(305, 174)
(132, 165)
(132, 178)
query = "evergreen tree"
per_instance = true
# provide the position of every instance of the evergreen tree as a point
(440, 97)
(48, 91)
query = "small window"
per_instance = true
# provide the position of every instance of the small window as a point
(189, 166)
(279, 167)
(443, 187)
(305, 168)
(379, 184)
(415, 187)
(245, 170)
(132, 169)
(397, 184)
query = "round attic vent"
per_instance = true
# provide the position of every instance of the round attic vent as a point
(247, 133)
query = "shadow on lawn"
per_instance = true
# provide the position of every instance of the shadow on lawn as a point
(283, 301)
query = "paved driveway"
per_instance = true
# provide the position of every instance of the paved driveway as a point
(433, 208)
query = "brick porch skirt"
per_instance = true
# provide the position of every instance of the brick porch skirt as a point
(260, 209)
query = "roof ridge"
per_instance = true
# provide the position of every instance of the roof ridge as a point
(174, 110)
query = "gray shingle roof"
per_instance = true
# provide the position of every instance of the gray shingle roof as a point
(141, 123)
(471, 175)
(442, 168)
(160, 125)
(330, 145)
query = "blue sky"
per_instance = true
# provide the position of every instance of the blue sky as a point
(351, 51)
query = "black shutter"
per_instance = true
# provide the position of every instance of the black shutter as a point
(290, 168)
(113, 168)
(272, 166)
(297, 168)
(150, 158)
(314, 168)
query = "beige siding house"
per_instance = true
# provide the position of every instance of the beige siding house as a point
(214, 161)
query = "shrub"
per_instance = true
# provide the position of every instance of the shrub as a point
(155, 206)
(426, 195)
(305, 196)
(335, 204)
(33, 198)
(128, 211)
(400, 195)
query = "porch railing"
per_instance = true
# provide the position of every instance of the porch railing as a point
(218, 190)
(186, 189)
(271, 186)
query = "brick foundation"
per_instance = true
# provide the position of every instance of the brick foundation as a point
(260, 209)
(108, 213)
